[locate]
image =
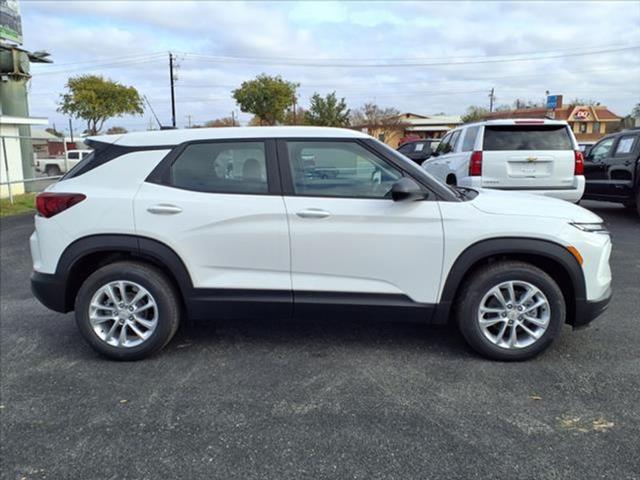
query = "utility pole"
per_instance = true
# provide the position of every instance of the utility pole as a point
(233, 118)
(70, 129)
(492, 98)
(189, 120)
(173, 95)
(295, 120)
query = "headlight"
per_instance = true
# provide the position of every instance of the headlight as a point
(591, 227)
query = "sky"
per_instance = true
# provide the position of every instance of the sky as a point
(420, 57)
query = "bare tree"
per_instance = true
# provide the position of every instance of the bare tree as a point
(377, 120)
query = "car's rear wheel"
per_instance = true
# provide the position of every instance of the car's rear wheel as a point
(510, 311)
(127, 310)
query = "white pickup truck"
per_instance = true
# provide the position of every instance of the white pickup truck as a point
(54, 167)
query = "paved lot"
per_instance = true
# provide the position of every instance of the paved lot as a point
(271, 400)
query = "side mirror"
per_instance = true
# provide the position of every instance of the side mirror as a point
(407, 189)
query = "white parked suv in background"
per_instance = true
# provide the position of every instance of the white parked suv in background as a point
(532, 155)
(235, 222)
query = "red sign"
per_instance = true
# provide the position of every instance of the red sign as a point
(582, 114)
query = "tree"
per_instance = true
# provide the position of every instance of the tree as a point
(583, 101)
(116, 130)
(54, 132)
(96, 99)
(221, 122)
(328, 111)
(300, 118)
(635, 113)
(475, 113)
(266, 97)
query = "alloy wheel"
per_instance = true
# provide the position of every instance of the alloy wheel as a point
(123, 314)
(514, 314)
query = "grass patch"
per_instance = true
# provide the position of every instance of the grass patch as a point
(21, 204)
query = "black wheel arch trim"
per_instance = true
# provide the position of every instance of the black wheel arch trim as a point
(484, 249)
(139, 246)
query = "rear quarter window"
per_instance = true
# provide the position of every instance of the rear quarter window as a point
(526, 137)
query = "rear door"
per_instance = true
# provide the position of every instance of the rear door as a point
(528, 156)
(218, 205)
(620, 167)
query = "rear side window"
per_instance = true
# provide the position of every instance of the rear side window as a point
(221, 168)
(469, 140)
(526, 137)
(74, 155)
(626, 145)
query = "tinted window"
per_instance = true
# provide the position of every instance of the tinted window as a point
(73, 155)
(453, 143)
(469, 140)
(527, 137)
(406, 148)
(601, 150)
(221, 167)
(625, 145)
(339, 169)
(443, 146)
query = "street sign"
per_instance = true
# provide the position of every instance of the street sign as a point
(10, 22)
(554, 101)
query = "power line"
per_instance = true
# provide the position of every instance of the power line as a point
(284, 62)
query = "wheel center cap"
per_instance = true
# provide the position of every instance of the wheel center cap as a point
(512, 315)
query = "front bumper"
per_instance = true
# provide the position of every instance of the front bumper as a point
(587, 311)
(50, 290)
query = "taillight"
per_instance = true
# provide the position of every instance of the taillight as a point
(49, 204)
(578, 165)
(475, 166)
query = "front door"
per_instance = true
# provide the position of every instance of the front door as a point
(350, 242)
(596, 168)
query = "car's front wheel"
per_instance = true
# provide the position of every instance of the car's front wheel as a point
(127, 310)
(510, 310)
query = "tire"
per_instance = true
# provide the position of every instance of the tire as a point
(487, 339)
(157, 323)
(52, 170)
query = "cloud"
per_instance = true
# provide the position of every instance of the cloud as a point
(128, 41)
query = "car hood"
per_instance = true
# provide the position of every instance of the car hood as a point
(529, 205)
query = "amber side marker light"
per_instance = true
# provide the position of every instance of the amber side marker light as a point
(574, 251)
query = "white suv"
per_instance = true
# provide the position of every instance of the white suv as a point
(533, 155)
(237, 222)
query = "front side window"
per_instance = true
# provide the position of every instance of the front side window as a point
(443, 146)
(601, 150)
(221, 167)
(339, 169)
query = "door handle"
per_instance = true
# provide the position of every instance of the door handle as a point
(313, 213)
(164, 209)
